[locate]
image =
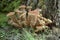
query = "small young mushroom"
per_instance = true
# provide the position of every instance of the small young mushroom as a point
(41, 22)
(40, 28)
(48, 21)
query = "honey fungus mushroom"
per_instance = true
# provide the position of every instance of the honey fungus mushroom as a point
(29, 8)
(34, 19)
(13, 19)
(22, 7)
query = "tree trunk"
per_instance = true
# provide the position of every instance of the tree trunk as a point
(51, 11)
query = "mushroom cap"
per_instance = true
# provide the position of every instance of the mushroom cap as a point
(29, 7)
(22, 6)
(39, 9)
(42, 22)
(18, 11)
(11, 13)
(49, 21)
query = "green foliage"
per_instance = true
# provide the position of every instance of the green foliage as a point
(27, 35)
(18, 34)
(2, 34)
(3, 20)
(8, 5)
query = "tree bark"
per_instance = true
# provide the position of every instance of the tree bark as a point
(51, 11)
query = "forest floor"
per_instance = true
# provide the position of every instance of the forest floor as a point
(11, 33)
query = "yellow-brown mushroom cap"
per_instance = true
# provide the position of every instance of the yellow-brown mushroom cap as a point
(11, 13)
(29, 7)
(18, 11)
(22, 6)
